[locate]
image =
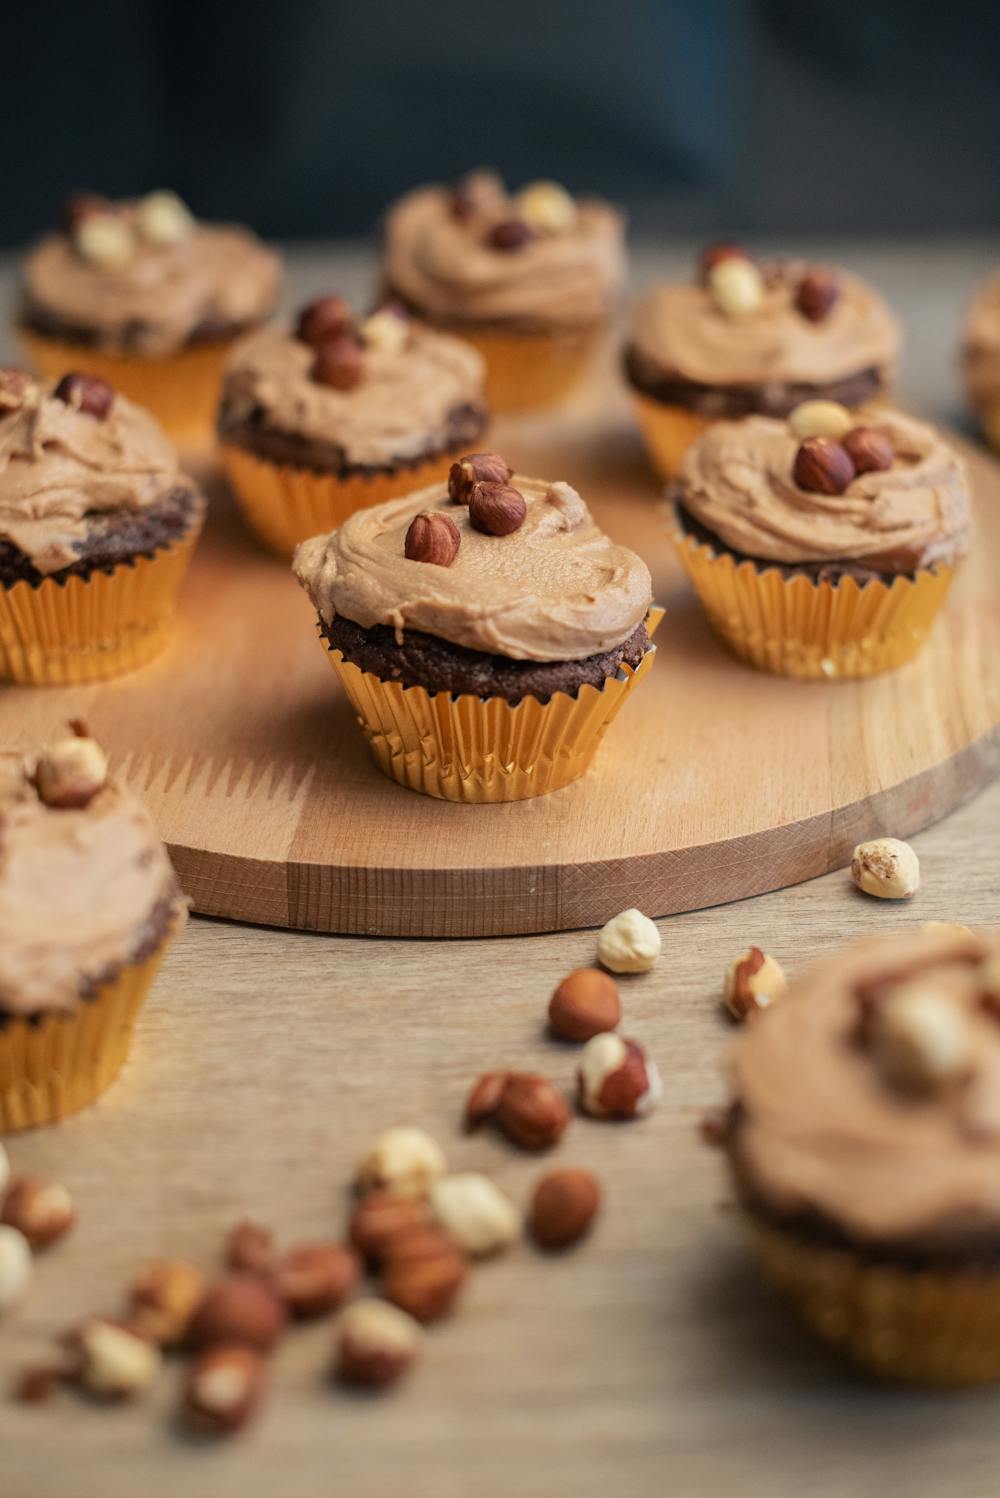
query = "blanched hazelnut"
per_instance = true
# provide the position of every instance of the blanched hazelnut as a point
(387, 330)
(16, 1268)
(70, 773)
(921, 1039)
(819, 418)
(163, 219)
(887, 868)
(736, 287)
(376, 1343)
(629, 943)
(476, 1213)
(405, 1160)
(615, 1079)
(546, 207)
(112, 1360)
(105, 239)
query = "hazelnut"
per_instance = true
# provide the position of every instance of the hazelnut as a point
(376, 1344)
(475, 468)
(564, 1203)
(16, 1268)
(887, 868)
(164, 1298)
(314, 1278)
(585, 1003)
(163, 219)
(509, 234)
(105, 239)
(387, 330)
(496, 509)
(476, 1214)
(86, 393)
(404, 1160)
(223, 1387)
(476, 194)
(736, 286)
(111, 1359)
(16, 388)
(629, 943)
(432, 537)
(483, 1101)
(615, 1079)
(921, 1039)
(84, 205)
(241, 1308)
(817, 294)
(380, 1218)
(546, 207)
(869, 449)
(70, 773)
(250, 1246)
(339, 363)
(423, 1272)
(36, 1385)
(321, 320)
(532, 1112)
(753, 981)
(819, 419)
(42, 1210)
(823, 466)
(714, 255)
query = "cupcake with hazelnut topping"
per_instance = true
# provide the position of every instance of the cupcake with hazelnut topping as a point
(88, 905)
(97, 525)
(144, 296)
(981, 357)
(530, 278)
(821, 547)
(753, 338)
(326, 416)
(863, 1140)
(486, 632)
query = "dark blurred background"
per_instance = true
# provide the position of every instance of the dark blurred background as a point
(305, 117)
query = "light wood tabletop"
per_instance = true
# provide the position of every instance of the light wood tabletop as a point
(648, 1361)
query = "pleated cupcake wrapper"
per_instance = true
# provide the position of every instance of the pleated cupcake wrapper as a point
(181, 389)
(529, 370)
(477, 749)
(668, 431)
(62, 1062)
(84, 629)
(793, 626)
(284, 504)
(932, 1327)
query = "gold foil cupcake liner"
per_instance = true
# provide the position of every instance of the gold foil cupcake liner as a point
(793, 626)
(482, 749)
(668, 431)
(285, 504)
(526, 371)
(916, 1326)
(85, 629)
(180, 389)
(58, 1063)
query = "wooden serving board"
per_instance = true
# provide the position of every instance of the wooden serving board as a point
(714, 783)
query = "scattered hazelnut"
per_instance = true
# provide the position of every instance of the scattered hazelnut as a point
(921, 1039)
(476, 1214)
(509, 234)
(432, 537)
(111, 1359)
(714, 255)
(339, 363)
(16, 1268)
(887, 868)
(629, 943)
(822, 466)
(423, 1273)
(314, 1278)
(546, 207)
(322, 319)
(496, 509)
(819, 419)
(42, 1210)
(869, 450)
(586, 1003)
(84, 205)
(86, 393)
(163, 219)
(817, 294)
(250, 1246)
(532, 1112)
(164, 1298)
(404, 1160)
(753, 981)
(241, 1308)
(376, 1344)
(564, 1203)
(380, 1218)
(615, 1079)
(475, 468)
(483, 1101)
(71, 773)
(105, 239)
(387, 330)
(736, 286)
(16, 387)
(222, 1388)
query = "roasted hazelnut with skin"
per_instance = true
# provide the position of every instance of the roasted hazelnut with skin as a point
(164, 1298)
(339, 363)
(753, 981)
(870, 450)
(84, 205)
(404, 1160)
(432, 537)
(70, 773)
(475, 468)
(585, 1004)
(223, 1388)
(615, 1079)
(240, 1308)
(325, 318)
(533, 1112)
(564, 1204)
(496, 509)
(250, 1246)
(42, 1210)
(423, 1272)
(483, 1101)
(86, 393)
(382, 1217)
(823, 466)
(315, 1278)
(510, 234)
(376, 1343)
(817, 294)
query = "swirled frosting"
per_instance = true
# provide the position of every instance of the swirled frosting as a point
(737, 481)
(400, 409)
(82, 893)
(59, 466)
(823, 1136)
(981, 342)
(679, 331)
(218, 277)
(444, 268)
(557, 589)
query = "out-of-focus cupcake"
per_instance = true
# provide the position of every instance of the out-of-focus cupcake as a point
(149, 299)
(88, 904)
(822, 548)
(97, 524)
(864, 1144)
(485, 631)
(981, 357)
(753, 338)
(324, 417)
(530, 278)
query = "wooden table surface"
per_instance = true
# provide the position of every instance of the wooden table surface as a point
(649, 1361)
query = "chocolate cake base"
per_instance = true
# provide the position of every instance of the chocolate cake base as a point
(125, 338)
(722, 402)
(817, 572)
(423, 660)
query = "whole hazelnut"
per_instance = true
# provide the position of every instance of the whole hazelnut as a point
(223, 1388)
(86, 393)
(83, 205)
(16, 389)
(339, 363)
(510, 234)
(823, 466)
(483, 1101)
(315, 1278)
(629, 943)
(870, 450)
(250, 1246)
(819, 418)
(16, 1267)
(404, 1160)
(432, 537)
(817, 294)
(70, 773)
(105, 239)
(714, 254)
(423, 1272)
(585, 1003)
(921, 1039)
(164, 1298)
(163, 219)
(887, 868)
(475, 1214)
(322, 319)
(387, 330)
(241, 1308)
(112, 1360)
(564, 1204)
(42, 1210)
(753, 981)
(496, 509)
(533, 1112)
(736, 286)
(380, 1218)
(546, 208)
(475, 468)
(615, 1079)
(376, 1343)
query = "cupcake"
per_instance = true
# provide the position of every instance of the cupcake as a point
(321, 418)
(142, 295)
(97, 524)
(530, 279)
(981, 357)
(864, 1144)
(821, 548)
(749, 338)
(485, 631)
(88, 904)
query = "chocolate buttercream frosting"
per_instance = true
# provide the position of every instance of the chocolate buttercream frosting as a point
(736, 481)
(556, 589)
(981, 343)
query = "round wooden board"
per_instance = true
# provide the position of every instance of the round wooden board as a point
(714, 783)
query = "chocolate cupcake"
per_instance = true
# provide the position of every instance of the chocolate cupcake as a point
(530, 278)
(821, 548)
(864, 1144)
(147, 298)
(753, 338)
(88, 904)
(981, 357)
(486, 632)
(327, 416)
(97, 524)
